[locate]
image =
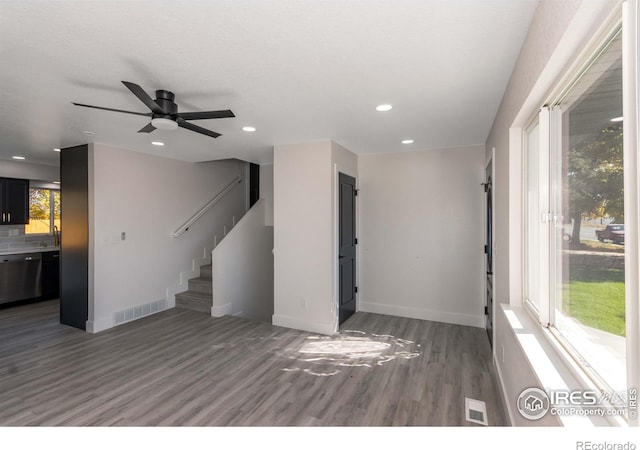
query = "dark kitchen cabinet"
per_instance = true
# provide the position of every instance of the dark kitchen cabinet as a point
(50, 275)
(14, 201)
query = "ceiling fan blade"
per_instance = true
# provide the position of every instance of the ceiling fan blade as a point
(144, 97)
(189, 126)
(148, 128)
(207, 115)
(111, 109)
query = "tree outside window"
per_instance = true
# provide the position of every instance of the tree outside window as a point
(44, 205)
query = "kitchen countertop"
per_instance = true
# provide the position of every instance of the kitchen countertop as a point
(22, 251)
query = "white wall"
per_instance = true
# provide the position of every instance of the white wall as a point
(243, 269)
(303, 250)
(29, 171)
(148, 197)
(422, 236)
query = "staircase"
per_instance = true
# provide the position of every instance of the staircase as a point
(199, 297)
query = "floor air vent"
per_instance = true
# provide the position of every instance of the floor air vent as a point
(127, 315)
(475, 411)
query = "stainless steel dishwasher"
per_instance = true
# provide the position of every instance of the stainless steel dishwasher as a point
(20, 276)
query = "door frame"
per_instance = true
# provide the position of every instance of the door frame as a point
(490, 161)
(335, 251)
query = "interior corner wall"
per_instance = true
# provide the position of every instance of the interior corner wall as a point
(303, 237)
(266, 192)
(422, 234)
(147, 197)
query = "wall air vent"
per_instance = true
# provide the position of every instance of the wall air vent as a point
(475, 411)
(127, 315)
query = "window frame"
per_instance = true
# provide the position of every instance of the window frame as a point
(530, 304)
(624, 21)
(51, 209)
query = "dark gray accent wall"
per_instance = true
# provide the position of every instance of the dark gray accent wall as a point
(74, 248)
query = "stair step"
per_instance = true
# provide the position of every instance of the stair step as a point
(205, 271)
(201, 285)
(196, 301)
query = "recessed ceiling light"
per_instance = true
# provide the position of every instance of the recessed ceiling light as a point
(88, 133)
(408, 141)
(158, 143)
(18, 157)
(56, 149)
(617, 119)
(248, 129)
(383, 107)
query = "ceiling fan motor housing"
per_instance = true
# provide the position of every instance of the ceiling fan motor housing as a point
(164, 99)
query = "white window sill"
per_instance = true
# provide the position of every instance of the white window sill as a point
(552, 366)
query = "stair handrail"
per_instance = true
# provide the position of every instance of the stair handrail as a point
(185, 226)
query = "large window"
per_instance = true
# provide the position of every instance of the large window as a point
(574, 208)
(589, 304)
(44, 211)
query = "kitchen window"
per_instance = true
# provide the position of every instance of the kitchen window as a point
(44, 211)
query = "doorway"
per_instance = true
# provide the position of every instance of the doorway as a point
(347, 241)
(488, 249)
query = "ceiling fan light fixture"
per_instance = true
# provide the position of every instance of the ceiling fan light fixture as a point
(164, 124)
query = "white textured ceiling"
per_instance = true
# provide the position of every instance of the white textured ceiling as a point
(296, 70)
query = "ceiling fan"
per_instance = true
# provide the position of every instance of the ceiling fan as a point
(164, 112)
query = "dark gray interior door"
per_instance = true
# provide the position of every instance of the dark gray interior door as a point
(488, 249)
(347, 247)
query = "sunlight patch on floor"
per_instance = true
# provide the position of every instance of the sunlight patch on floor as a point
(325, 355)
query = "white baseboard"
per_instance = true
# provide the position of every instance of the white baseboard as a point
(423, 314)
(300, 324)
(171, 295)
(96, 326)
(221, 310)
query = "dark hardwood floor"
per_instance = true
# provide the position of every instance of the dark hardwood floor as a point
(182, 367)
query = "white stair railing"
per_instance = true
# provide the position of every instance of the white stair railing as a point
(184, 227)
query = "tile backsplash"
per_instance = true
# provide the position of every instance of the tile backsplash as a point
(12, 237)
